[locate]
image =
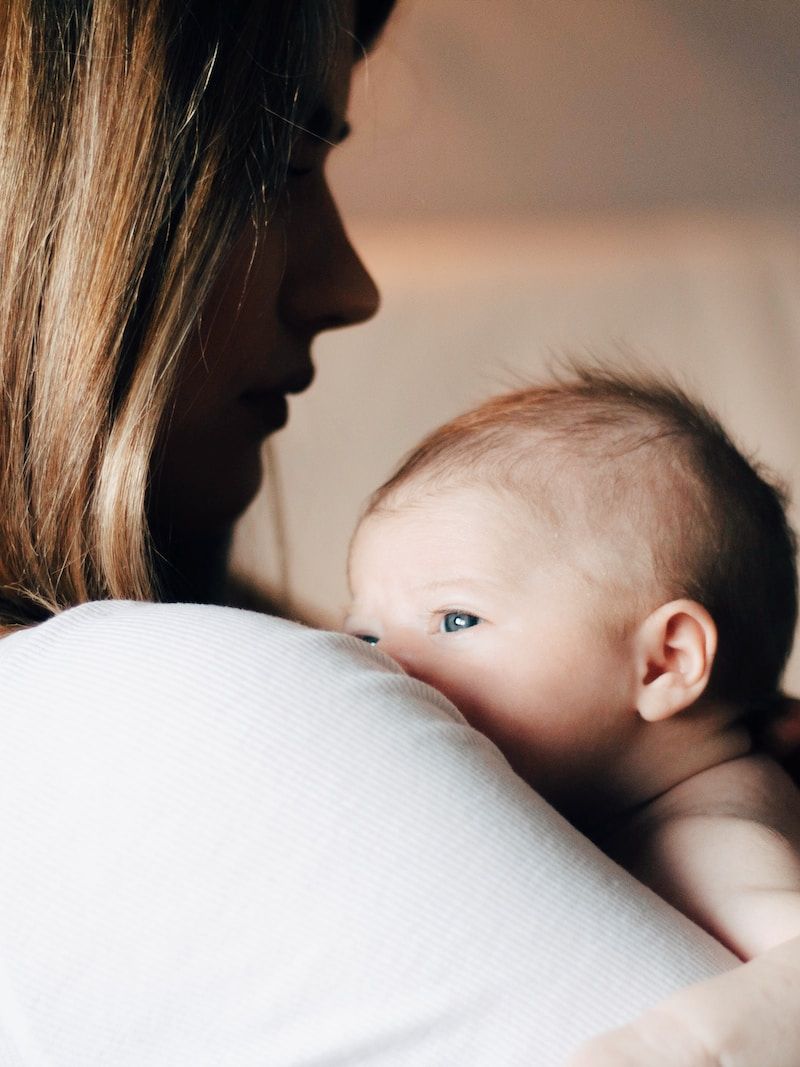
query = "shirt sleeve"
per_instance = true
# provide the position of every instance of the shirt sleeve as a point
(231, 840)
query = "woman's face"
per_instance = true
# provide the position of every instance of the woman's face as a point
(252, 346)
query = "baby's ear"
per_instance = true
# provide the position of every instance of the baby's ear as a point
(675, 648)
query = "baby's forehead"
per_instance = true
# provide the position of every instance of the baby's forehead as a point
(455, 525)
(521, 519)
(452, 501)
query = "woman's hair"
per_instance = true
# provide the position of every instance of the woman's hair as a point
(646, 477)
(136, 139)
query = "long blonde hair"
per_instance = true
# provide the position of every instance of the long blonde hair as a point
(136, 136)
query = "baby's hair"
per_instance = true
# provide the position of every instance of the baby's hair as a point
(628, 461)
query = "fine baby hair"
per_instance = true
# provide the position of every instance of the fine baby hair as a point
(628, 463)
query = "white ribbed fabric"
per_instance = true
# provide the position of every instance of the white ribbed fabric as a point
(230, 840)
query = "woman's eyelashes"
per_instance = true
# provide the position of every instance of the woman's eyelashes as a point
(304, 163)
(308, 155)
(296, 171)
(453, 622)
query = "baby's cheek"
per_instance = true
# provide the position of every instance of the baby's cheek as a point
(440, 679)
(481, 705)
(434, 672)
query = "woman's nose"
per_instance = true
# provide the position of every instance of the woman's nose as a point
(326, 285)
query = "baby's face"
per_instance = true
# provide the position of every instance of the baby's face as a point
(466, 590)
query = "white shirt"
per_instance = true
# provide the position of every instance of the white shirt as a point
(230, 840)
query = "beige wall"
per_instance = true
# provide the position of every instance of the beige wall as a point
(477, 107)
(573, 175)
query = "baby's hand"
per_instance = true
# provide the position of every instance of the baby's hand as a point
(747, 1017)
(654, 1040)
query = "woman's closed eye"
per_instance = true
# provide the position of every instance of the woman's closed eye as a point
(304, 161)
(311, 146)
(308, 155)
(294, 170)
(452, 622)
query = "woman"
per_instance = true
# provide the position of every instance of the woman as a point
(228, 839)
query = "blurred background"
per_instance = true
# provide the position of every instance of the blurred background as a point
(533, 177)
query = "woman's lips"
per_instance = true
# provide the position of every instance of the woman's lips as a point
(268, 407)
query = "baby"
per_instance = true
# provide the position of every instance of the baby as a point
(603, 585)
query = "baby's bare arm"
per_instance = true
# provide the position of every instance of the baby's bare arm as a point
(725, 849)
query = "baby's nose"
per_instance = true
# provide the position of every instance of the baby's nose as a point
(402, 651)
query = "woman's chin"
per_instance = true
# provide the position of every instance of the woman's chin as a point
(227, 496)
(208, 499)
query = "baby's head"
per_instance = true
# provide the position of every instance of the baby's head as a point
(571, 562)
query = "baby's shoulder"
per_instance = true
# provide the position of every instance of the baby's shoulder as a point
(750, 795)
(753, 787)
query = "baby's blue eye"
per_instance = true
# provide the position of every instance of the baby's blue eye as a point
(369, 638)
(454, 621)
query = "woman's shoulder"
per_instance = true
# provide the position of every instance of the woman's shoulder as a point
(223, 831)
(125, 657)
(129, 627)
(132, 635)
